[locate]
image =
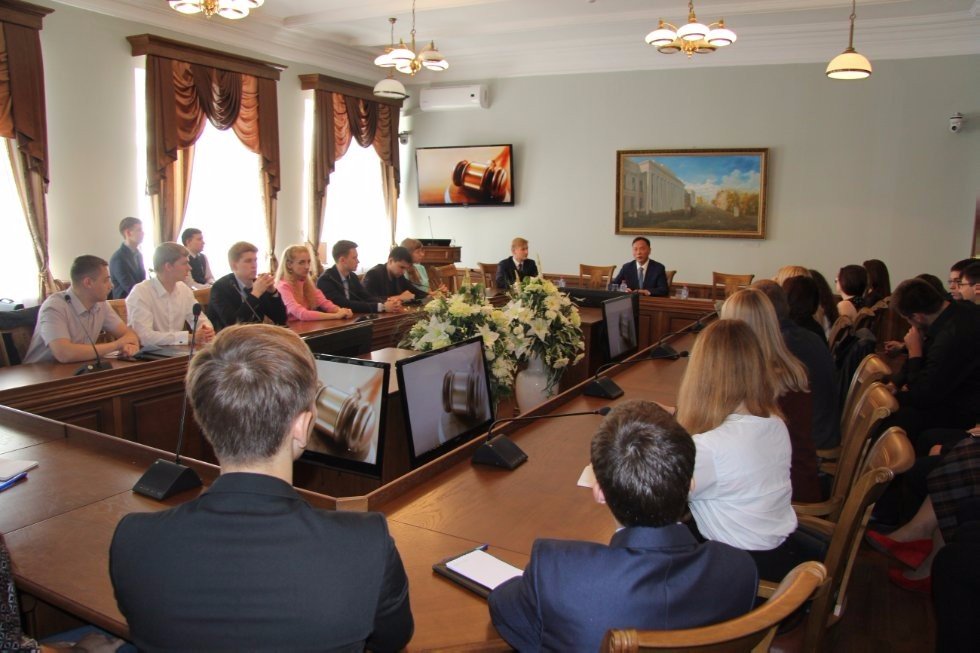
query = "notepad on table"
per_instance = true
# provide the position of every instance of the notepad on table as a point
(477, 570)
(10, 468)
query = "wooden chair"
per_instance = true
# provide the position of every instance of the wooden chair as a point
(16, 331)
(595, 276)
(447, 276)
(872, 368)
(875, 404)
(841, 328)
(203, 296)
(724, 285)
(119, 306)
(750, 632)
(865, 319)
(891, 455)
(670, 279)
(489, 273)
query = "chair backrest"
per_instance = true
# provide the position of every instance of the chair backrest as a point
(595, 276)
(891, 455)
(873, 405)
(744, 633)
(866, 319)
(447, 276)
(489, 272)
(119, 306)
(872, 368)
(724, 285)
(670, 278)
(203, 297)
(16, 331)
(840, 329)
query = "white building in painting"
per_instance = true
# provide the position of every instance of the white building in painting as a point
(649, 187)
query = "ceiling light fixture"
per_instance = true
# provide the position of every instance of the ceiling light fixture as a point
(404, 59)
(231, 9)
(849, 64)
(692, 37)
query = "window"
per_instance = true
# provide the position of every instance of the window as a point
(18, 265)
(144, 208)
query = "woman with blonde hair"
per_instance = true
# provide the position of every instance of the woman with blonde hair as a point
(790, 271)
(302, 299)
(790, 384)
(741, 490)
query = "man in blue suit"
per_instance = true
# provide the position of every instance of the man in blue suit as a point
(643, 274)
(653, 575)
(517, 267)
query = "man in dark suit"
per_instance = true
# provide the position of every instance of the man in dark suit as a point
(389, 280)
(243, 295)
(643, 274)
(126, 264)
(249, 565)
(653, 575)
(517, 267)
(339, 283)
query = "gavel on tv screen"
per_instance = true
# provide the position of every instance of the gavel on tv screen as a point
(486, 180)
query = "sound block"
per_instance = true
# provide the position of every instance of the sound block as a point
(93, 367)
(166, 478)
(604, 388)
(662, 352)
(500, 451)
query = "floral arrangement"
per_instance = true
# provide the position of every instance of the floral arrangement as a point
(466, 313)
(544, 322)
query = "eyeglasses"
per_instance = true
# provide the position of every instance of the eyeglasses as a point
(954, 282)
(961, 282)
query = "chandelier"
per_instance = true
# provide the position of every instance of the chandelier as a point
(692, 37)
(404, 59)
(849, 64)
(233, 9)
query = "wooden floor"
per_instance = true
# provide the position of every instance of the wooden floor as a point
(879, 616)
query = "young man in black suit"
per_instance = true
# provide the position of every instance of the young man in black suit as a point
(389, 280)
(517, 267)
(249, 565)
(126, 264)
(244, 295)
(643, 275)
(653, 575)
(339, 283)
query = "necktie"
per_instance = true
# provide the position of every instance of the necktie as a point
(346, 289)
(639, 275)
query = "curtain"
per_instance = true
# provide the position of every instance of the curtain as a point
(339, 120)
(23, 122)
(180, 96)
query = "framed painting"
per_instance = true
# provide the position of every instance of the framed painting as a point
(711, 193)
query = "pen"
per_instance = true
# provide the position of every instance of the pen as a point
(12, 480)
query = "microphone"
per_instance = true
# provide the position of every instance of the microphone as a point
(500, 451)
(164, 478)
(99, 364)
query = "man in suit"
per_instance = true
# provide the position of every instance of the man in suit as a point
(339, 283)
(126, 263)
(201, 274)
(243, 295)
(643, 274)
(517, 267)
(249, 565)
(389, 280)
(653, 575)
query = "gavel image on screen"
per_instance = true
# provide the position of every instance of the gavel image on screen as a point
(461, 394)
(346, 418)
(486, 180)
(626, 330)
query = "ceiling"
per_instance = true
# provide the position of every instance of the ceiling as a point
(487, 39)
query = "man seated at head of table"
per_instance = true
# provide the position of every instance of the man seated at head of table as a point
(243, 295)
(66, 338)
(159, 308)
(249, 565)
(653, 575)
(389, 280)
(339, 283)
(643, 275)
(517, 266)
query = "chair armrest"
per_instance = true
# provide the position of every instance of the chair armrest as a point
(819, 509)
(829, 468)
(766, 588)
(817, 525)
(829, 454)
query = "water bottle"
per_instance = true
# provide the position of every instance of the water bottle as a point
(684, 292)
(561, 282)
(623, 287)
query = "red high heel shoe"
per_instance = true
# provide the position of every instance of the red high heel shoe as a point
(920, 585)
(908, 553)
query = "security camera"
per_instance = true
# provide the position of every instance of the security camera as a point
(403, 137)
(956, 122)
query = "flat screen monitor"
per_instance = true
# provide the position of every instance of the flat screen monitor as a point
(445, 397)
(473, 175)
(352, 341)
(590, 297)
(349, 429)
(621, 319)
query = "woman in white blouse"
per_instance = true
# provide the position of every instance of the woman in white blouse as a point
(741, 494)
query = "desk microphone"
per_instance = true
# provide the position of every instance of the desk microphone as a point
(501, 451)
(99, 364)
(164, 478)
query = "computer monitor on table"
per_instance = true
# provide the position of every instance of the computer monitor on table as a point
(349, 427)
(621, 318)
(351, 341)
(590, 297)
(445, 397)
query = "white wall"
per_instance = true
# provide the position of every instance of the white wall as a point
(857, 170)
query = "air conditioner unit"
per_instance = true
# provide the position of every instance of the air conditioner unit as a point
(447, 98)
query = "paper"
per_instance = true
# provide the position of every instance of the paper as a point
(587, 479)
(483, 568)
(10, 468)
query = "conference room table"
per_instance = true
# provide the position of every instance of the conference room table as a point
(59, 522)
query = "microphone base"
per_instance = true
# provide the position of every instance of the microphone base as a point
(604, 388)
(165, 478)
(500, 451)
(97, 366)
(662, 352)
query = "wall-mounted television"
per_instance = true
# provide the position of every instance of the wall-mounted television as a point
(472, 175)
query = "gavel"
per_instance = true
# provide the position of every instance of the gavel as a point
(461, 394)
(347, 418)
(484, 179)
